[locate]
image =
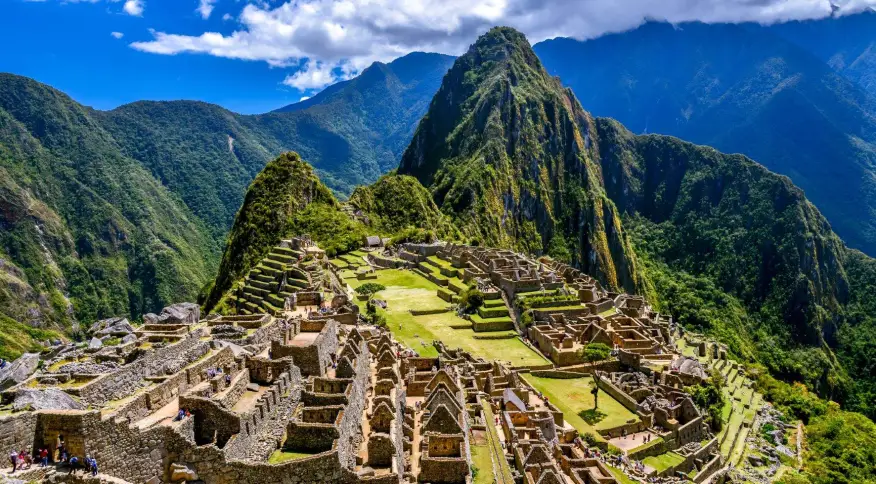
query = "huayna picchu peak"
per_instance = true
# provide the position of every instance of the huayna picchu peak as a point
(509, 153)
(535, 295)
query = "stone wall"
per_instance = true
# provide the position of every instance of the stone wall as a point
(617, 394)
(126, 380)
(314, 358)
(17, 431)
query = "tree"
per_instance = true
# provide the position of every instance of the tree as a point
(471, 299)
(594, 352)
(369, 289)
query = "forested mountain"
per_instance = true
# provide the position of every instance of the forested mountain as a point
(86, 231)
(716, 240)
(739, 88)
(846, 43)
(351, 133)
(509, 153)
(110, 213)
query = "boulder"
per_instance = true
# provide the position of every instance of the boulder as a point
(95, 344)
(179, 472)
(182, 313)
(237, 350)
(129, 339)
(19, 370)
(106, 326)
(44, 399)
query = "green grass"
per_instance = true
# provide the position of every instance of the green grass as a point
(494, 441)
(480, 458)
(281, 456)
(620, 476)
(406, 290)
(663, 461)
(573, 396)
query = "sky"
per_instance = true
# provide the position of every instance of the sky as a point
(253, 56)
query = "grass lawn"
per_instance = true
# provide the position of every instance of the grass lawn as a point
(406, 290)
(280, 456)
(573, 396)
(620, 476)
(494, 441)
(480, 457)
(663, 461)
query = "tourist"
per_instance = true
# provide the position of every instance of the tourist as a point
(2, 363)
(228, 379)
(59, 444)
(91, 464)
(24, 459)
(64, 454)
(180, 415)
(74, 464)
(44, 457)
(13, 457)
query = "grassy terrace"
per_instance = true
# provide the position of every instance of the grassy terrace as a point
(480, 456)
(406, 290)
(573, 396)
(281, 456)
(663, 461)
(495, 445)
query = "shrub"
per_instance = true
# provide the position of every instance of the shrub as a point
(369, 288)
(471, 299)
(594, 352)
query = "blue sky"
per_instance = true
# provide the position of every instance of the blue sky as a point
(252, 56)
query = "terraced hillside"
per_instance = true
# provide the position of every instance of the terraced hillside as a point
(278, 276)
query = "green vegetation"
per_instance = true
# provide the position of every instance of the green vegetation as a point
(475, 151)
(399, 205)
(17, 338)
(495, 443)
(594, 352)
(406, 290)
(87, 231)
(369, 288)
(482, 464)
(575, 396)
(280, 456)
(471, 299)
(284, 200)
(663, 461)
(709, 396)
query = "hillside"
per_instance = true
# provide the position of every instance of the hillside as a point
(846, 43)
(741, 89)
(352, 133)
(508, 153)
(87, 233)
(717, 240)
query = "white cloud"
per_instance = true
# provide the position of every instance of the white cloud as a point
(227, 17)
(304, 98)
(338, 38)
(205, 8)
(117, 35)
(316, 75)
(134, 7)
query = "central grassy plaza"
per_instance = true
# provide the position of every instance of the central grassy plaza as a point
(406, 290)
(573, 396)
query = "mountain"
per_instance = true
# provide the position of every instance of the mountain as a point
(117, 213)
(509, 153)
(285, 199)
(352, 133)
(86, 232)
(846, 43)
(717, 240)
(739, 88)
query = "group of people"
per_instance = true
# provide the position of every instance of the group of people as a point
(212, 372)
(182, 414)
(22, 460)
